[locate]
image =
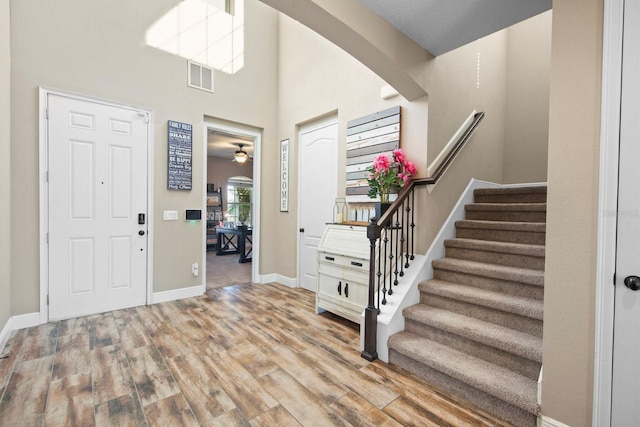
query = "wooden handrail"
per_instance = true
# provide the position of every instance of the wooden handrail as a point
(374, 232)
(384, 220)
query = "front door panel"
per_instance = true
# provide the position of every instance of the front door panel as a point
(97, 168)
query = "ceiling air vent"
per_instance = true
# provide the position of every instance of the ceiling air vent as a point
(200, 77)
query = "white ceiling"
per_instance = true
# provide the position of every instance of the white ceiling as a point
(443, 25)
(220, 144)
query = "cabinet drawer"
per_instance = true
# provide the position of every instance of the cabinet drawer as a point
(339, 272)
(344, 261)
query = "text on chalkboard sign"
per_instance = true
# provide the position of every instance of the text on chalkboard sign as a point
(180, 150)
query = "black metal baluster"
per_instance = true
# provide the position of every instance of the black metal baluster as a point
(413, 224)
(408, 232)
(391, 256)
(384, 270)
(396, 225)
(379, 273)
(402, 233)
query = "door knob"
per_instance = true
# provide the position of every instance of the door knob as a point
(632, 282)
(141, 232)
(302, 230)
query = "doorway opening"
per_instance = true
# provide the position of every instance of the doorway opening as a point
(232, 205)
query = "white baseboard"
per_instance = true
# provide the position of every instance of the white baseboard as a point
(17, 322)
(22, 321)
(5, 333)
(291, 282)
(176, 294)
(550, 422)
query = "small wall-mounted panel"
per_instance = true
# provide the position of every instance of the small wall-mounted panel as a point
(193, 215)
(170, 215)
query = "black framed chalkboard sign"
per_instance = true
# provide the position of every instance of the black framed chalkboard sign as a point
(179, 167)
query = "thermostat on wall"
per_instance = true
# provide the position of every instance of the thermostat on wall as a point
(193, 215)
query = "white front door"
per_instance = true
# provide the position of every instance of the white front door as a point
(625, 409)
(317, 187)
(97, 199)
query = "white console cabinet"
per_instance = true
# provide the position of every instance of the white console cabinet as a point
(343, 271)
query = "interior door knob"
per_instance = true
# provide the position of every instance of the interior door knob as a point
(632, 282)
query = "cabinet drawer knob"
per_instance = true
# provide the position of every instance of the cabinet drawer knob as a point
(330, 258)
(357, 264)
(346, 290)
(339, 288)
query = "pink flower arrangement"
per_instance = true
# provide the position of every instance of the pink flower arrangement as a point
(389, 172)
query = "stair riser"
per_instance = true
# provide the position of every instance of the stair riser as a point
(516, 363)
(508, 320)
(510, 236)
(515, 216)
(501, 409)
(511, 198)
(504, 286)
(501, 258)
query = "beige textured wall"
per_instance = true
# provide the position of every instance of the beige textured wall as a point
(572, 214)
(458, 84)
(317, 78)
(97, 49)
(5, 164)
(456, 87)
(527, 123)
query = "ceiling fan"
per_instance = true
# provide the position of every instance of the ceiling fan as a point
(240, 155)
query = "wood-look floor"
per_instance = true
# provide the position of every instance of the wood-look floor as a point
(225, 270)
(246, 355)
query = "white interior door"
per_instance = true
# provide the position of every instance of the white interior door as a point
(317, 187)
(97, 199)
(625, 409)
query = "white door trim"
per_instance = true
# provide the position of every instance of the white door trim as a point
(255, 217)
(308, 127)
(607, 209)
(43, 190)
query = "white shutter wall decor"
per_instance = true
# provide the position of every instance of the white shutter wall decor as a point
(367, 137)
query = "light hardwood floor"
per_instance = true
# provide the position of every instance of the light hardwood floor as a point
(254, 355)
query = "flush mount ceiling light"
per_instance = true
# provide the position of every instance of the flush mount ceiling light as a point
(240, 155)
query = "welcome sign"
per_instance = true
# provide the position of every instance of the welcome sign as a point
(284, 175)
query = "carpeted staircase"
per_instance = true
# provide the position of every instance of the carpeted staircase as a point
(477, 331)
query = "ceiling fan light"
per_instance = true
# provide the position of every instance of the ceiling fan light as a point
(240, 156)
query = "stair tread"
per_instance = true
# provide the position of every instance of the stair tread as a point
(527, 207)
(495, 246)
(503, 338)
(536, 227)
(537, 189)
(495, 271)
(525, 307)
(502, 383)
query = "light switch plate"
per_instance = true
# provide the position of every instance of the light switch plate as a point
(170, 215)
